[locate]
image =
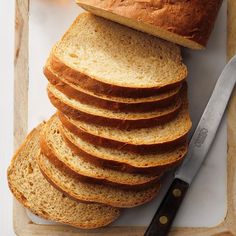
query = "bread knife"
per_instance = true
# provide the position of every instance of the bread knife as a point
(198, 148)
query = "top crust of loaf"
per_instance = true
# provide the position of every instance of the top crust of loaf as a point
(117, 57)
(188, 23)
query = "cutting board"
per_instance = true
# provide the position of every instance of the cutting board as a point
(205, 210)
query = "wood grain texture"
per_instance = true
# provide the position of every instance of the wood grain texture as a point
(24, 227)
(20, 219)
(21, 72)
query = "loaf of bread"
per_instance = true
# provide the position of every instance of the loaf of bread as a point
(187, 23)
(122, 123)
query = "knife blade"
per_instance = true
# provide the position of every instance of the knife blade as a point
(199, 146)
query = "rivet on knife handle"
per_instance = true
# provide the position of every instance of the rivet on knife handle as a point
(165, 214)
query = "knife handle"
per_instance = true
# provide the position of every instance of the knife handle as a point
(162, 220)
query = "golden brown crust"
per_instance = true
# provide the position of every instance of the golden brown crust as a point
(91, 84)
(111, 122)
(108, 143)
(123, 166)
(107, 104)
(193, 20)
(51, 156)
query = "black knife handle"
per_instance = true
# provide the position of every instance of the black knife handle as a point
(162, 220)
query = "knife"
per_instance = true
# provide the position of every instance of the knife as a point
(197, 152)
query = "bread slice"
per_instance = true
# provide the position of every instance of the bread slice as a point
(126, 161)
(188, 23)
(32, 190)
(57, 151)
(55, 79)
(91, 192)
(106, 117)
(102, 55)
(75, 92)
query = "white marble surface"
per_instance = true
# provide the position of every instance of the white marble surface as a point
(6, 111)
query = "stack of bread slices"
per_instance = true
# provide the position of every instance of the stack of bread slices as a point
(122, 122)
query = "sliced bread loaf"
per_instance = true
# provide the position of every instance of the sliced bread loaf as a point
(32, 190)
(188, 23)
(104, 56)
(80, 95)
(123, 160)
(55, 79)
(91, 192)
(58, 152)
(106, 117)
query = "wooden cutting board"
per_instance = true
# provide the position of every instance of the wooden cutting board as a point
(22, 223)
